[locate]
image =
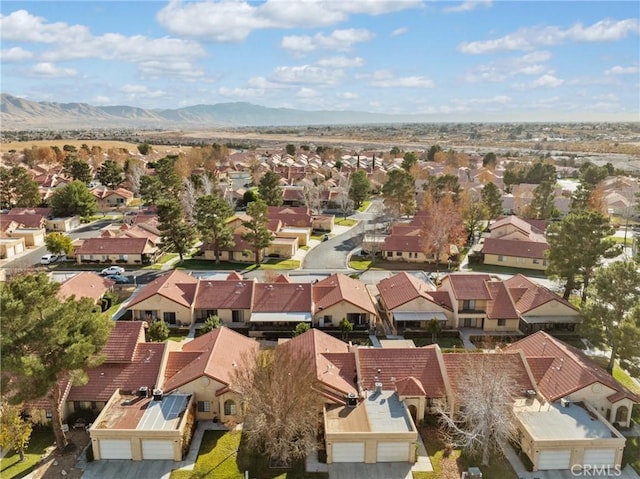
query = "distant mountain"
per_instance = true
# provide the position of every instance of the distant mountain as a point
(17, 113)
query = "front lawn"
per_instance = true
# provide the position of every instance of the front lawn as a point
(224, 455)
(10, 468)
(364, 206)
(205, 264)
(280, 264)
(346, 222)
(490, 268)
(362, 263)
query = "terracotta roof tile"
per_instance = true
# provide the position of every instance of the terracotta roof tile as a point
(530, 295)
(469, 286)
(115, 246)
(539, 366)
(410, 386)
(515, 248)
(215, 355)
(404, 287)
(458, 364)
(226, 294)
(520, 223)
(282, 298)
(570, 370)
(123, 338)
(176, 286)
(389, 366)
(501, 306)
(23, 220)
(85, 285)
(337, 288)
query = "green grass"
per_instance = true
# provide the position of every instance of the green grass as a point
(364, 206)
(489, 268)
(444, 343)
(280, 264)
(224, 455)
(166, 257)
(624, 379)
(619, 240)
(362, 263)
(200, 264)
(305, 247)
(177, 334)
(10, 467)
(346, 222)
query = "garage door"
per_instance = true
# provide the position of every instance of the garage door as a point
(393, 452)
(115, 449)
(600, 457)
(553, 460)
(157, 449)
(348, 452)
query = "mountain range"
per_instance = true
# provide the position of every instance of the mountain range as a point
(18, 113)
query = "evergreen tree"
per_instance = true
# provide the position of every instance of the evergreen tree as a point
(110, 174)
(17, 189)
(492, 198)
(177, 234)
(360, 190)
(257, 234)
(399, 193)
(269, 189)
(212, 213)
(73, 199)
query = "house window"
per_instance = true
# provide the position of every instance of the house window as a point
(469, 305)
(389, 254)
(501, 259)
(229, 407)
(398, 253)
(502, 322)
(49, 414)
(328, 319)
(204, 406)
(536, 261)
(169, 317)
(237, 316)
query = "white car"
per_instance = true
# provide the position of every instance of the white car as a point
(48, 258)
(112, 270)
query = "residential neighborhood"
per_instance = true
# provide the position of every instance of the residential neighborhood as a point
(381, 299)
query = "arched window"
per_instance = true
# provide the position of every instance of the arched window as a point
(229, 407)
(622, 414)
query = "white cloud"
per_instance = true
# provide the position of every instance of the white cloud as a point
(15, 54)
(618, 70)
(469, 5)
(141, 91)
(505, 68)
(49, 70)
(263, 83)
(241, 92)
(347, 95)
(234, 20)
(548, 81)
(399, 31)
(386, 79)
(341, 62)
(21, 26)
(306, 74)
(160, 69)
(101, 100)
(338, 40)
(307, 93)
(528, 38)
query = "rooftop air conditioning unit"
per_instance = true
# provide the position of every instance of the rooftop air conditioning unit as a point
(352, 400)
(564, 402)
(378, 388)
(157, 394)
(143, 391)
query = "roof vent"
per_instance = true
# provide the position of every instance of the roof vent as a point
(352, 400)
(564, 402)
(378, 388)
(157, 394)
(143, 392)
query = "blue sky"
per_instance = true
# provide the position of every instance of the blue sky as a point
(513, 60)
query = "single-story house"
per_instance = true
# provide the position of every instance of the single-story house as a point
(10, 247)
(230, 299)
(63, 225)
(282, 303)
(340, 296)
(85, 285)
(116, 250)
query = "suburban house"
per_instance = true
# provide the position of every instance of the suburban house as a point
(410, 302)
(480, 302)
(169, 297)
(31, 227)
(10, 247)
(119, 250)
(85, 285)
(583, 404)
(230, 299)
(282, 302)
(108, 198)
(515, 242)
(539, 308)
(339, 296)
(62, 224)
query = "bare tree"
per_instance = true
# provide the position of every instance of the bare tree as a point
(343, 200)
(206, 184)
(312, 198)
(482, 419)
(281, 408)
(133, 174)
(188, 197)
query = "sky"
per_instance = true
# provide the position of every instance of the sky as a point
(508, 59)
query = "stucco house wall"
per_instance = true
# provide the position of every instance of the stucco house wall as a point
(158, 305)
(515, 262)
(337, 312)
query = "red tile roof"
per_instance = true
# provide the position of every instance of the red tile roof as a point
(390, 366)
(526, 226)
(570, 370)
(338, 288)
(23, 220)
(404, 287)
(46, 212)
(115, 246)
(282, 298)
(176, 286)
(335, 366)
(85, 285)
(529, 295)
(459, 366)
(226, 294)
(469, 286)
(410, 386)
(515, 248)
(123, 338)
(501, 306)
(215, 355)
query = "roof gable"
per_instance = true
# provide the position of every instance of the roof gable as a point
(176, 286)
(85, 285)
(404, 287)
(282, 298)
(337, 288)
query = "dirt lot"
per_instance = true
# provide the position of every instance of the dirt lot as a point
(54, 463)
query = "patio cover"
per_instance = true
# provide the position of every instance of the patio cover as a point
(419, 316)
(550, 319)
(300, 317)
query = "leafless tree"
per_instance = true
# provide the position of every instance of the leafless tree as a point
(312, 198)
(280, 410)
(344, 202)
(133, 175)
(188, 197)
(482, 417)
(207, 185)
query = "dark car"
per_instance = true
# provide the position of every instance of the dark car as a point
(119, 279)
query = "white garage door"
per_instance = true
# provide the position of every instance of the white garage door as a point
(348, 452)
(549, 460)
(157, 449)
(393, 452)
(115, 448)
(600, 457)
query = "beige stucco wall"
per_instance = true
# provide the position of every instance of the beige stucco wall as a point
(159, 305)
(514, 262)
(111, 258)
(509, 231)
(204, 389)
(492, 325)
(324, 223)
(62, 224)
(282, 250)
(596, 396)
(9, 247)
(421, 304)
(553, 308)
(236, 256)
(31, 237)
(225, 315)
(339, 311)
(371, 440)
(303, 235)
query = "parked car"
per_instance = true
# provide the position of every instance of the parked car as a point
(325, 237)
(119, 279)
(48, 258)
(112, 270)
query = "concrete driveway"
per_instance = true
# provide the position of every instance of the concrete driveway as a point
(381, 470)
(125, 469)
